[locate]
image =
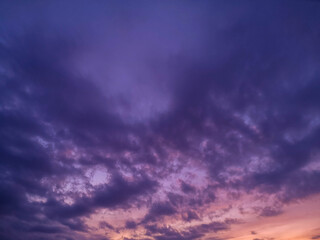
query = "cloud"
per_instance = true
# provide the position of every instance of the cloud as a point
(105, 225)
(180, 105)
(187, 188)
(190, 215)
(46, 229)
(170, 233)
(158, 210)
(118, 192)
(270, 212)
(195, 232)
(131, 225)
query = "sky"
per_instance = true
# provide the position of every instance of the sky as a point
(159, 120)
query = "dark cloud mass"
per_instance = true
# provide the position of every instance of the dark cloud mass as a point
(138, 119)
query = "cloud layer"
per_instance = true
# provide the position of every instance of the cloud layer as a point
(156, 120)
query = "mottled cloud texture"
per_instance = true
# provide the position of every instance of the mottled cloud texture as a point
(159, 120)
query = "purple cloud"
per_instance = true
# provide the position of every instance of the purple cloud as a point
(138, 117)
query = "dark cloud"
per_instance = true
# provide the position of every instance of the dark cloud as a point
(158, 210)
(190, 215)
(270, 212)
(131, 225)
(211, 227)
(46, 229)
(118, 192)
(121, 191)
(162, 233)
(103, 224)
(187, 188)
(196, 232)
